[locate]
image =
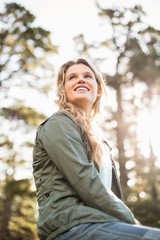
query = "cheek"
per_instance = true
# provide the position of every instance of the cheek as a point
(67, 89)
(68, 93)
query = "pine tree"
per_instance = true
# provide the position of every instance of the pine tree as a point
(26, 52)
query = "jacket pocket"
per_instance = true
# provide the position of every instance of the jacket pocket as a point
(43, 197)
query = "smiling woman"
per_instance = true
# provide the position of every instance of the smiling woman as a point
(81, 87)
(78, 190)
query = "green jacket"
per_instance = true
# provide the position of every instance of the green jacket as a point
(69, 189)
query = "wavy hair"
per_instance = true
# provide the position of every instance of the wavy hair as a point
(85, 122)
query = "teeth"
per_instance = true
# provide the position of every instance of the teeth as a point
(82, 88)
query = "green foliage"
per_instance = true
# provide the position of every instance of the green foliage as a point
(147, 212)
(18, 209)
(27, 114)
(18, 200)
(23, 47)
(25, 53)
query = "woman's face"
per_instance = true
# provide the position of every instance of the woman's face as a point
(81, 87)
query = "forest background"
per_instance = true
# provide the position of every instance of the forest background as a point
(126, 49)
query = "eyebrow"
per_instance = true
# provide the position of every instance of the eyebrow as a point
(75, 73)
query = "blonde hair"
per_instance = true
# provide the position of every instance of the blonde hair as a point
(80, 118)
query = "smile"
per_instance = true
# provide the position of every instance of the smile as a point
(81, 89)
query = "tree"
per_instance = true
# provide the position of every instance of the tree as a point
(24, 48)
(26, 52)
(133, 47)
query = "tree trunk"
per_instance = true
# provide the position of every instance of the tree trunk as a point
(120, 139)
(6, 214)
(152, 157)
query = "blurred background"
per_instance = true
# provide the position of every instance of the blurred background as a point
(122, 39)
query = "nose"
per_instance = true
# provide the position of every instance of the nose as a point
(81, 79)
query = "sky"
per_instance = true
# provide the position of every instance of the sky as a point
(68, 18)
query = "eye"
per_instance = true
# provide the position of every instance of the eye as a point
(72, 77)
(88, 76)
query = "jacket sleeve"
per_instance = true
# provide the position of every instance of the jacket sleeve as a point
(63, 143)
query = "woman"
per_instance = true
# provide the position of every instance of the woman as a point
(78, 191)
